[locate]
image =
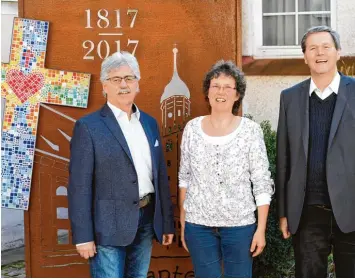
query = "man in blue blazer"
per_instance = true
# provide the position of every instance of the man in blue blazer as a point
(118, 191)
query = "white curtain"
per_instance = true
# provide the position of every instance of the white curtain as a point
(313, 5)
(280, 30)
(307, 21)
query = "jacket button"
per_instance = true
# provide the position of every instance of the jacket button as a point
(135, 202)
(134, 181)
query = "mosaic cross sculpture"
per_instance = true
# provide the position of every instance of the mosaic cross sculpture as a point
(25, 83)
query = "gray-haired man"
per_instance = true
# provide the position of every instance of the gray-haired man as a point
(118, 187)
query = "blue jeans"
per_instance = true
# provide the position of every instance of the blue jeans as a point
(209, 247)
(130, 261)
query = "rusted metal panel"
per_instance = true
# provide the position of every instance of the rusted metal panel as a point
(203, 31)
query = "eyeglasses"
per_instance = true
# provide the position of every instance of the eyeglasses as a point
(118, 80)
(217, 88)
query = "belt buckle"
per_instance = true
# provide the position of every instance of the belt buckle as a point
(144, 201)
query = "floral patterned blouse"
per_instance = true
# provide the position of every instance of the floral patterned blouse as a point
(226, 177)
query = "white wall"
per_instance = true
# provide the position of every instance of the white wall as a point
(8, 12)
(248, 28)
(346, 26)
(263, 96)
(12, 228)
(345, 22)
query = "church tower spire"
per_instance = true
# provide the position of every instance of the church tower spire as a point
(176, 86)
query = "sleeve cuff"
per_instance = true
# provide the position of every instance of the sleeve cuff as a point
(168, 228)
(183, 184)
(79, 244)
(263, 199)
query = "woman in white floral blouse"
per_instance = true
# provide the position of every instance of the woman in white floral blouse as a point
(223, 178)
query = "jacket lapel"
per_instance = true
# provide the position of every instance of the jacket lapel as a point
(339, 108)
(111, 122)
(304, 112)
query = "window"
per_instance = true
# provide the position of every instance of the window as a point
(62, 213)
(62, 191)
(282, 23)
(63, 236)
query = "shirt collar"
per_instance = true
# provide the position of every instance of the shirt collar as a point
(333, 86)
(119, 113)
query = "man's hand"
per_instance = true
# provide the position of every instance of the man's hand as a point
(258, 244)
(284, 228)
(87, 250)
(168, 239)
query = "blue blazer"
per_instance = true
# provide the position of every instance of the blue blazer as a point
(103, 184)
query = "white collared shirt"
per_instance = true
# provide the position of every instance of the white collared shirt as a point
(332, 87)
(138, 146)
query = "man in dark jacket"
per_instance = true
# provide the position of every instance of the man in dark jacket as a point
(315, 184)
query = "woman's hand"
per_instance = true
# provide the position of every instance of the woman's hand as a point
(182, 235)
(258, 244)
(182, 195)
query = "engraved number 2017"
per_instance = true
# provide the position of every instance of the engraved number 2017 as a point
(103, 48)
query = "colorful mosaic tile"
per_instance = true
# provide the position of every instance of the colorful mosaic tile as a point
(25, 83)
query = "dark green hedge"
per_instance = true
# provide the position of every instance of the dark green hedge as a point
(277, 258)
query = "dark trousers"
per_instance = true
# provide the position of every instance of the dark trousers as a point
(318, 234)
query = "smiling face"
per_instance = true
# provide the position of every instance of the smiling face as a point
(321, 54)
(222, 93)
(120, 87)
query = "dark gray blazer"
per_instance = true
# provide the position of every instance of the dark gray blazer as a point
(103, 184)
(292, 152)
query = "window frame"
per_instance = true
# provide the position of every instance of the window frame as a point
(279, 52)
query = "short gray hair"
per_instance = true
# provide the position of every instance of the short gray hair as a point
(318, 29)
(229, 69)
(117, 60)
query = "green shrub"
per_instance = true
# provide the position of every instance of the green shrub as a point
(277, 258)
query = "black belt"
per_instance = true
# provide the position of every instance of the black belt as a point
(324, 207)
(144, 201)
